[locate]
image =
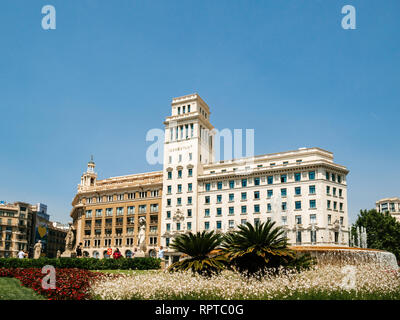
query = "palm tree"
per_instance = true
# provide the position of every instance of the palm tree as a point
(253, 249)
(203, 256)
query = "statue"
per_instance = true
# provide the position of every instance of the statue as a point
(142, 238)
(69, 239)
(37, 250)
(69, 242)
(58, 254)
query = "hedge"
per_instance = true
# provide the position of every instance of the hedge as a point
(83, 263)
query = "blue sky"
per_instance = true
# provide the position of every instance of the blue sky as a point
(107, 74)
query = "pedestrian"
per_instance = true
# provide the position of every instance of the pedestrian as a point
(79, 250)
(161, 256)
(21, 254)
(117, 254)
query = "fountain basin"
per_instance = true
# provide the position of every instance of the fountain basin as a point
(349, 255)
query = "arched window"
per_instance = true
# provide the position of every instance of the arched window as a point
(128, 253)
(96, 254)
(85, 254)
(105, 255)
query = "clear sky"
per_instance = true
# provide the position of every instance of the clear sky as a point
(107, 74)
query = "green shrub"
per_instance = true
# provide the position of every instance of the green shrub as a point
(83, 263)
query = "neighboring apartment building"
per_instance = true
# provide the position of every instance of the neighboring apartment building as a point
(391, 205)
(16, 221)
(22, 225)
(56, 238)
(303, 190)
(106, 212)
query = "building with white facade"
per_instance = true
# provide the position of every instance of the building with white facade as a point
(302, 190)
(391, 205)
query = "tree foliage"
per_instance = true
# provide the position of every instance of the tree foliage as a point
(255, 249)
(199, 249)
(383, 231)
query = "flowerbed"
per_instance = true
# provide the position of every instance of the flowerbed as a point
(71, 284)
(320, 282)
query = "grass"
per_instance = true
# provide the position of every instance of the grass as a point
(11, 289)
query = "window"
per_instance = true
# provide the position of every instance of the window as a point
(269, 193)
(243, 221)
(131, 210)
(328, 204)
(190, 187)
(189, 212)
(283, 178)
(231, 210)
(206, 225)
(270, 179)
(298, 219)
(120, 211)
(297, 176)
(169, 175)
(178, 226)
(169, 189)
(313, 218)
(256, 195)
(207, 212)
(313, 236)
(333, 177)
(179, 188)
(190, 172)
(179, 174)
(244, 209)
(284, 220)
(208, 186)
(256, 221)
(232, 184)
(283, 192)
(207, 199)
(341, 206)
(189, 226)
(269, 207)
(339, 179)
(168, 202)
(178, 201)
(341, 221)
(88, 213)
(231, 197)
(110, 198)
(219, 198)
(284, 206)
(168, 227)
(256, 181)
(334, 205)
(311, 175)
(328, 189)
(311, 189)
(297, 191)
(219, 211)
(189, 200)
(120, 197)
(244, 196)
(297, 205)
(256, 208)
(99, 212)
(244, 182)
(329, 219)
(340, 192)
(334, 191)
(219, 185)
(142, 208)
(312, 204)
(219, 225)
(231, 224)
(327, 175)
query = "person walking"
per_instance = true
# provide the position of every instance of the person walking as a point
(161, 256)
(117, 254)
(79, 250)
(21, 254)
